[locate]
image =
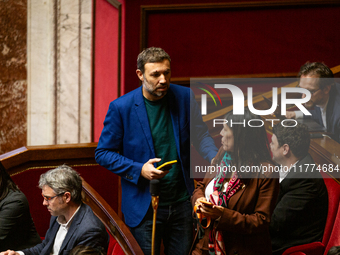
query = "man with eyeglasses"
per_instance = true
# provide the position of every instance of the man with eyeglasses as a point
(72, 223)
(325, 97)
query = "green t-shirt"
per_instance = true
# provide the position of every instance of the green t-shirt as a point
(172, 186)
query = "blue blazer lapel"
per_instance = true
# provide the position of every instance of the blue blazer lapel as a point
(143, 119)
(48, 248)
(330, 108)
(317, 115)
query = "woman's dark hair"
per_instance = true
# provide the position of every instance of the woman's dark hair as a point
(251, 145)
(6, 183)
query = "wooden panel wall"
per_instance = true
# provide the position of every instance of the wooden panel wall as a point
(231, 38)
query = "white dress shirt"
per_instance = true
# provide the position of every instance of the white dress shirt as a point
(283, 174)
(63, 229)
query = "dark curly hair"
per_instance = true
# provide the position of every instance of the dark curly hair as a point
(297, 137)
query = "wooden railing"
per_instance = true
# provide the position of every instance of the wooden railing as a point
(34, 156)
(115, 226)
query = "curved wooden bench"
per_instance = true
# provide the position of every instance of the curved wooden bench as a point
(124, 242)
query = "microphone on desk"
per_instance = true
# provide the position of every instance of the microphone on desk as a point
(154, 191)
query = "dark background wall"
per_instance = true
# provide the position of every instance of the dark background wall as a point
(232, 38)
(224, 38)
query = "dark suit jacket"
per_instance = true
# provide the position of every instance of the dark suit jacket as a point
(245, 223)
(17, 230)
(332, 113)
(301, 211)
(86, 229)
(127, 131)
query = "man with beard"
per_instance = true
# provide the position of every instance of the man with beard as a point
(325, 97)
(143, 129)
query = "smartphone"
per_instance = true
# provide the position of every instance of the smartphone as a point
(207, 204)
(167, 165)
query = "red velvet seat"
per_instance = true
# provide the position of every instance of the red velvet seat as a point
(331, 236)
(114, 247)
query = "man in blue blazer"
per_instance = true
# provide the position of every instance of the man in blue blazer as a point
(151, 125)
(72, 223)
(325, 97)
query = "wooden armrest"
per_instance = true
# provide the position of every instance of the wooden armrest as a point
(115, 226)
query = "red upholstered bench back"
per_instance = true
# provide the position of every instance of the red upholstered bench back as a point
(114, 247)
(102, 180)
(28, 183)
(331, 236)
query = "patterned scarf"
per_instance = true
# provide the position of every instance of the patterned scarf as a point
(216, 243)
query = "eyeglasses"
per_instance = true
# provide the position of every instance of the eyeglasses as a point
(50, 198)
(312, 92)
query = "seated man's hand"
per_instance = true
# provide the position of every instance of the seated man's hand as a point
(9, 252)
(150, 172)
(290, 115)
